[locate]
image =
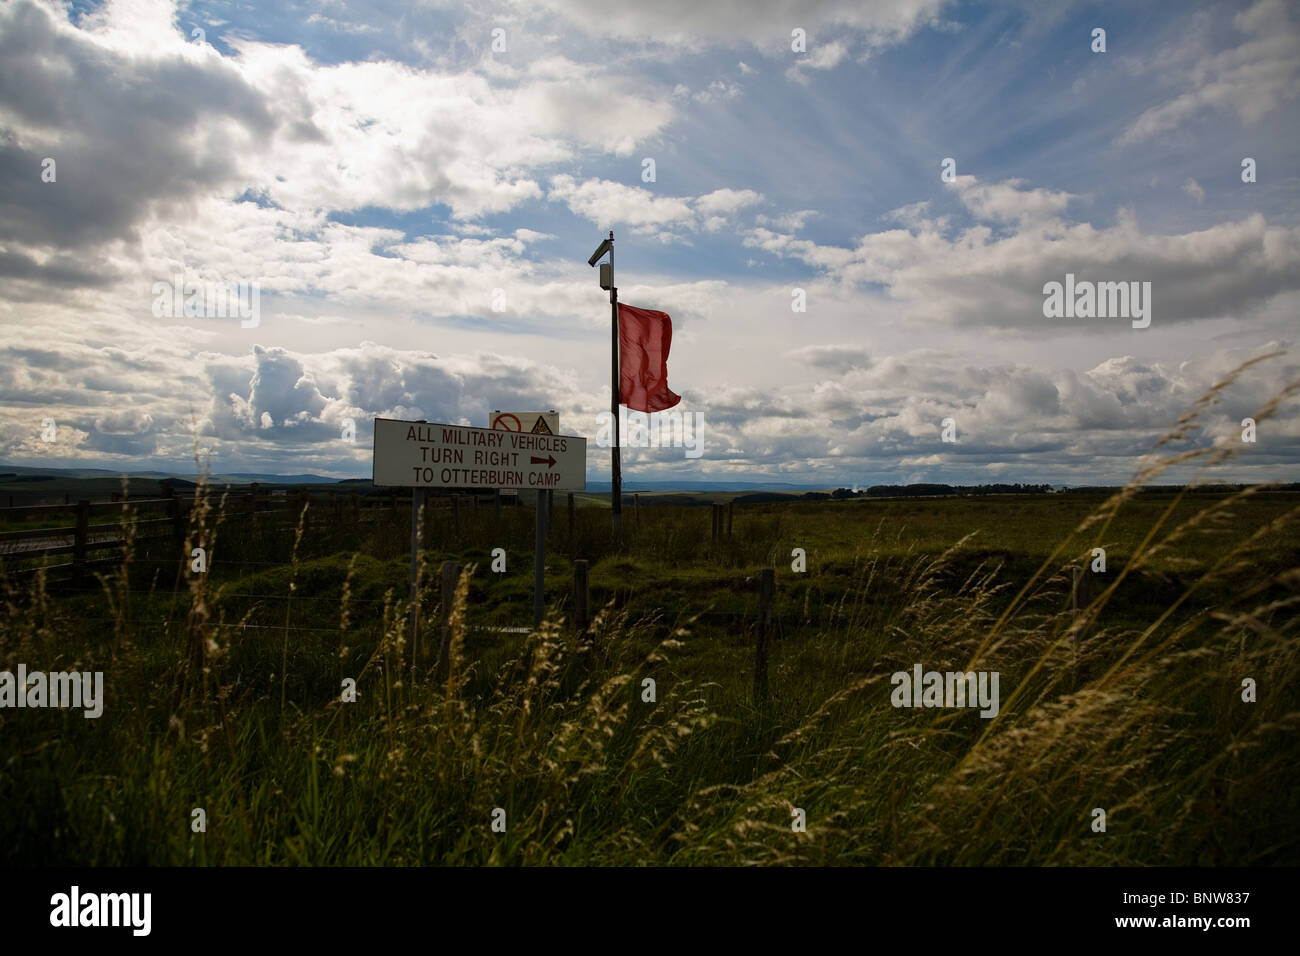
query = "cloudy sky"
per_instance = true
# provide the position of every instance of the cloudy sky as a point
(414, 188)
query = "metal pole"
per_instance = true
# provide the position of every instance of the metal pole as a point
(616, 477)
(539, 559)
(417, 505)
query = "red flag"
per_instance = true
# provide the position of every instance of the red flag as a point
(644, 336)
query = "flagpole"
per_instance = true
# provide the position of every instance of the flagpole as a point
(616, 477)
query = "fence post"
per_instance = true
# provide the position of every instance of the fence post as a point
(176, 511)
(539, 559)
(731, 506)
(570, 514)
(581, 596)
(1081, 591)
(80, 541)
(766, 587)
(450, 575)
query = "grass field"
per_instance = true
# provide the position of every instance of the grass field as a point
(223, 693)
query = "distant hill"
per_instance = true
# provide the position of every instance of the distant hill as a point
(630, 485)
(752, 491)
(16, 473)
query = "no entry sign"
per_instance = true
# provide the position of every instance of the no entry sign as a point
(431, 455)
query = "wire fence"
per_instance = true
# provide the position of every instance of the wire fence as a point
(254, 532)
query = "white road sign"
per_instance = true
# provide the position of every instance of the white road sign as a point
(431, 455)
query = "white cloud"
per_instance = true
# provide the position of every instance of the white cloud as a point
(820, 56)
(792, 221)
(1249, 80)
(124, 422)
(605, 202)
(836, 358)
(783, 244)
(973, 278)
(726, 201)
(271, 121)
(1008, 202)
(767, 23)
(609, 203)
(718, 90)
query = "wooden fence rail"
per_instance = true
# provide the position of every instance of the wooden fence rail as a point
(81, 538)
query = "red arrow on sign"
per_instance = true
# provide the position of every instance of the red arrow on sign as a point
(548, 462)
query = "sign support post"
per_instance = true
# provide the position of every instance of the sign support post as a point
(417, 506)
(539, 560)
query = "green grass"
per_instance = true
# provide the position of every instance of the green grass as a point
(552, 728)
